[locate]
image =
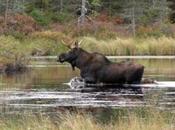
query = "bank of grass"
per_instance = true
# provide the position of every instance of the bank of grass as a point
(131, 46)
(139, 119)
(15, 50)
(15, 53)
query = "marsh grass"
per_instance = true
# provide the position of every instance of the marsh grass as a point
(131, 46)
(50, 43)
(14, 50)
(123, 119)
(43, 46)
(18, 50)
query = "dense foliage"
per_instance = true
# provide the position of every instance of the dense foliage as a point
(47, 10)
(133, 16)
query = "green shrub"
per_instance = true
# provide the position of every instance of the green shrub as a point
(16, 34)
(44, 18)
(61, 17)
(41, 17)
(97, 29)
(149, 16)
(44, 46)
(12, 51)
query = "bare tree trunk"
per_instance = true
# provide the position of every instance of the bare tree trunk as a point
(83, 11)
(81, 19)
(61, 5)
(6, 14)
(110, 7)
(133, 19)
(154, 3)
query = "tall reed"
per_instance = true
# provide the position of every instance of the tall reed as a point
(131, 46)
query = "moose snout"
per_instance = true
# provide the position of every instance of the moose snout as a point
(61, 58)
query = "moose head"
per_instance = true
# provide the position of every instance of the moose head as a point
(71, 55)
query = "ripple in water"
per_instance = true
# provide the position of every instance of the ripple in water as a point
(90, 97)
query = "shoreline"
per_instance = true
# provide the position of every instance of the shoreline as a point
(112, 57)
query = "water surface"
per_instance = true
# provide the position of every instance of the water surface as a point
(41, 88)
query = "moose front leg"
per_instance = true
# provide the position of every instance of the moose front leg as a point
(88, 78)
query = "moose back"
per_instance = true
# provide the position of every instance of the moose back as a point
(96, 68)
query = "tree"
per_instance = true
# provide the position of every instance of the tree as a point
(172, 12)
(6, 14)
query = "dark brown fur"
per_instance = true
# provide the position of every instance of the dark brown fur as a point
(96, 68)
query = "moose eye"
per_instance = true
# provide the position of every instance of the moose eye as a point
(71, 51)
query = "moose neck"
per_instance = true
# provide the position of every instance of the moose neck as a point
(83, 59)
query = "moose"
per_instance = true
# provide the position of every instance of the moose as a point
(96, 68)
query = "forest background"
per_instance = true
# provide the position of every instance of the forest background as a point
(112, 27)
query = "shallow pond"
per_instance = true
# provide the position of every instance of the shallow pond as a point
(42, 88)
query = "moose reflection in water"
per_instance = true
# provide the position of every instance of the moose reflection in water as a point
(96, 68)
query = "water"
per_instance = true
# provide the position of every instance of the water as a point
(42, 88)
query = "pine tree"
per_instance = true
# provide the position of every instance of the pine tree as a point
(172, 12)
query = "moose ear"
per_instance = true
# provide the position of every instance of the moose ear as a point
(76, 44)
(73, 44)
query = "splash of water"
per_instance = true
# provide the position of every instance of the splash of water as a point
(78, 83)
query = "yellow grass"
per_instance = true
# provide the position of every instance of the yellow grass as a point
(131, 46)
(118, 46)
(133, 120)
(12, 49)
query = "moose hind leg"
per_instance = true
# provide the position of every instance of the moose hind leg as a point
(90, 80)
(136, 76)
